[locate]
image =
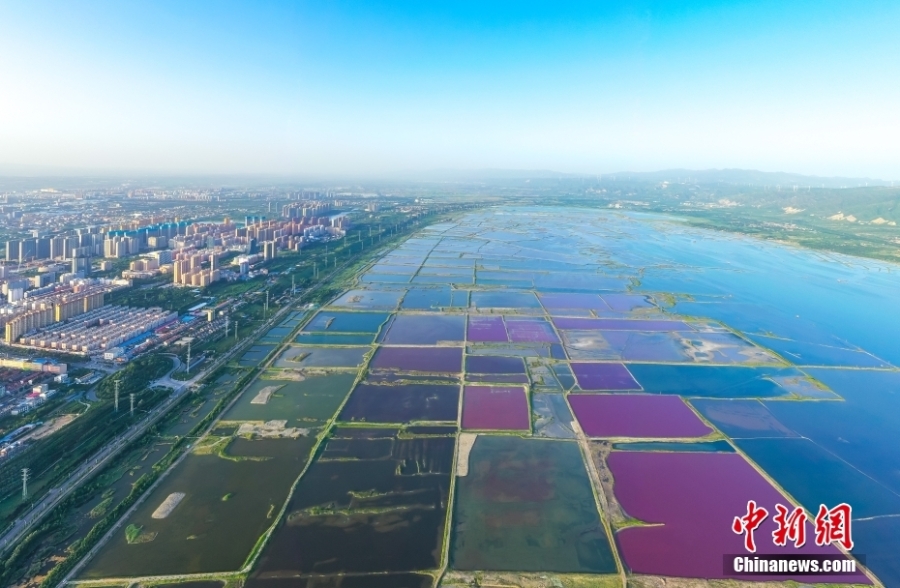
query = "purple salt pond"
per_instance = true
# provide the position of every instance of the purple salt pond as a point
(495, 407)
(636, 415)
(419, 359)
(488, 329)
(587, 324)
(604, 376)
(535, 330)
(691, 499)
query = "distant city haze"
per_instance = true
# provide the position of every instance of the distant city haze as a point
(382, 89)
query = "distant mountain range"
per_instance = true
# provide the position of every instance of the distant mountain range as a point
(20, 176)
(708, 176)
(488, 175)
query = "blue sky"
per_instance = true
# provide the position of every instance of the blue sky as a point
(377, 88)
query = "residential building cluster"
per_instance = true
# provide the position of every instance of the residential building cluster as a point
(195, 268)
(306, 209)
(195, 256)
(130, 242)
(152, 233)
(85, 242)
(39, 312)
(100, 329)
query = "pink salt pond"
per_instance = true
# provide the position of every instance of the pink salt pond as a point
(691, 499)
(495, 408)
(636, 415)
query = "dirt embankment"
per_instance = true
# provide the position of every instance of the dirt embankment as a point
(457, 579)
(270, 430)
(466, 442)
(50, 427)
(262, 397)
(600, 451)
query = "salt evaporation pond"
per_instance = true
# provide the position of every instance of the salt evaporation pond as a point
(495, 408)
(365, 515)
(636, 415)
(419, 359)
(690, 498)
(788, 354)
(526, 504)
(416, 329)
(604, 376)
(401, 403)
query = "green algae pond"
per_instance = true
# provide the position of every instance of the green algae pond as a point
(229, 500)
(527, 504)
(371, 503)
(306, 403)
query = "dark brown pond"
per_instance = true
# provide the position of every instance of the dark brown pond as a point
(384, 514)
(401, 404)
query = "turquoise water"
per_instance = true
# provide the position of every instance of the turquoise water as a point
(710, 447)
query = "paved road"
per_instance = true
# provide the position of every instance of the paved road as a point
(55, 495)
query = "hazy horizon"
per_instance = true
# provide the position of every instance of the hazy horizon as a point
(393, 89)
(446, 175)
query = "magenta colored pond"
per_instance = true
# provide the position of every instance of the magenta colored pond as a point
(489, 329)
(636, 415)
(536, 330)
(495, 407)
(419, 359)
(587, 324)
(693, 498)
(604, 376)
